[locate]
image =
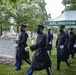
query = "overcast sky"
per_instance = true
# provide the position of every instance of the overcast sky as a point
(55, 7)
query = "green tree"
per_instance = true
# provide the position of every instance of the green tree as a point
(4, 18)
(30, 12)
(69, 4)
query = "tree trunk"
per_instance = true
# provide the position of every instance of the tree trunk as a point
(0, 31)
(17, 29)
(31, 34)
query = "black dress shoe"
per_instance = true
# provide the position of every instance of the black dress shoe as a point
(68, 64)
(72, 56)
(58, 69)
(17, 69)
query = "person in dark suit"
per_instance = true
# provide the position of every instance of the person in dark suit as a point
(21, 54)
(49, 39)
(71, 43)
(61, 46)
(40, 58)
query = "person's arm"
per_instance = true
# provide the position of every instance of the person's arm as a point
(75, 38)
(51, 38)
(66, 39)
(75, 42)
(56, 43)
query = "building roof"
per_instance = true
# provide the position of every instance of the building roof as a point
(66, 15)
(67, 18)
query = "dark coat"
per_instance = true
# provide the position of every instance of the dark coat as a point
(62, 39)
(41, 58)
(21, 54)
(72, 38)
(49, 38)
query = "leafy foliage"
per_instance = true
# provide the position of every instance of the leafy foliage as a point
(30, 12)
(70, 4)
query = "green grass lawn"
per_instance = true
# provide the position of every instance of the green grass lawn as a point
(65, 70)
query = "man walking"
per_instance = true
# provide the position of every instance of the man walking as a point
(49, 39)
(21, 54)
(71, 43)
(41, 58)
(61, 46)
